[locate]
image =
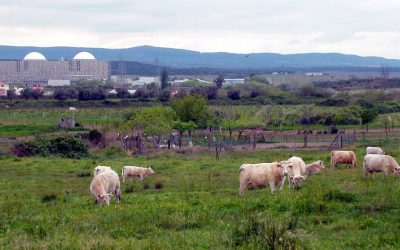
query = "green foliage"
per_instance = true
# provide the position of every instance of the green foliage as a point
(191, 108)
(184, 126)
(348, 116)
(368, 116)
(153, 120)
(164, 79)
(61, 146)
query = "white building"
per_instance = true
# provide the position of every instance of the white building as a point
(58, 83)
(146, 80)
(234, 81)
(4, 87)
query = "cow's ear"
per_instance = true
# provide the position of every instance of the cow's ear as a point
(110, 194)
(290, 166)
(320, 163)
(100, 196)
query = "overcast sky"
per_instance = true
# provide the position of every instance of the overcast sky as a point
(363, 27)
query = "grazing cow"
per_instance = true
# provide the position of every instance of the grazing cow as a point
(128, 172)
(344, 157)
(297, 169)
(100, 169)
(375, 150)
(380, 163)
(104, 185)
(260, 175)
(314, 167)
(73, 109)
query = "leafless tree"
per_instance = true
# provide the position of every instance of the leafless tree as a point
(385, 73)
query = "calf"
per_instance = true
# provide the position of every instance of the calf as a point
(100, 169)
(380, 163)
(259, 175)
(104, 185)
(314, 167)
(344, 157)
(375, 150)
(128, 172)
(297, 168)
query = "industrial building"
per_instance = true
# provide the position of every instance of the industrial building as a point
(34, 69)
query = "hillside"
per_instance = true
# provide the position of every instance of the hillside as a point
(180, 58)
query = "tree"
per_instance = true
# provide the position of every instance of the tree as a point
(234, 94)
(191, 108)
(61, 95)
(11, 94)
(182, 127)
(122, 93)
(368, 116)
(219, 81)
(164, 81)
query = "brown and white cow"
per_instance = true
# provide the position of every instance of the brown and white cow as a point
(129, 172)
(375, 150)
(297, 168)
(344, 157)
(104, 185)
(259, 175)
(314, 167)
(374, 163)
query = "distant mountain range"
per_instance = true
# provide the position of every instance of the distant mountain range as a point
(180, 58)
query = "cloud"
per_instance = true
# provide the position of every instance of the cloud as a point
(365, 27)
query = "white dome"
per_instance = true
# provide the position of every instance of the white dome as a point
(84, 56)
(34, 56)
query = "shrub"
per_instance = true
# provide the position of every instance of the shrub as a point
(94, 136)
(48, 197)
(84, 174)
(62, 146)
(337, 195)
(158, 185)
(234, 94)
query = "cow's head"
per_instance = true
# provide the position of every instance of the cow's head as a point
(396, 171)
(104, 198)
(286, 167)
(151, 171)
(321, 164)
(297, 181)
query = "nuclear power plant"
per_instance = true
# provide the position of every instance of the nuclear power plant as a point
(35, 69)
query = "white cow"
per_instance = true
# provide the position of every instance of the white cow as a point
(73, 109)
(344, 157)
(104, 185)
(297, 169)
(260, 175)
(380, 163)
(314, 167)
(128, 172)
(100, 169)
(375, 150)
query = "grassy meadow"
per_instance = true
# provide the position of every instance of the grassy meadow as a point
(192, 202)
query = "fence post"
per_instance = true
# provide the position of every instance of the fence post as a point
(341, 141)
(254, 139)
(305, 139)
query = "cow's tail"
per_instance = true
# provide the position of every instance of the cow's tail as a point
(241, 168)
(123, 176)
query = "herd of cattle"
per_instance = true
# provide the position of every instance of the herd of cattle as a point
(296, 170)
(106, 181)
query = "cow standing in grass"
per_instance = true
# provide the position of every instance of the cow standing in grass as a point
(314, 167)
(254, 176)
(380, 163)
(375, 150)
(100, 169)
(344, 157)
(129, 172)
(104, 185)
(297, 168)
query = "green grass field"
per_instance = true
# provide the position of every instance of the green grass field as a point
(192, 202)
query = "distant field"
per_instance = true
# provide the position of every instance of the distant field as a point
(43, 118)
(22, 130)
(44, 204)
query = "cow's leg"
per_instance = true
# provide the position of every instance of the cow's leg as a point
(118, 194)
(141, 177)
(280, 184)
(366, 174)
(241, 188)
(373, 175)
(272, 186)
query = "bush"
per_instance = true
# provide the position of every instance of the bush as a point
(234, 94)
(334, 102)
(48, 197)
(94, 136)
(62, 146)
